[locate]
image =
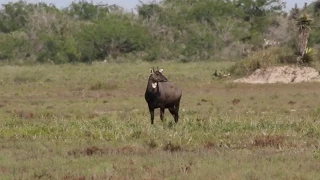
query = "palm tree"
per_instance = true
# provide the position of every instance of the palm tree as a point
(303, 24)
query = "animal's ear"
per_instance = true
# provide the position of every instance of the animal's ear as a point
(151, 71)
(160, 70)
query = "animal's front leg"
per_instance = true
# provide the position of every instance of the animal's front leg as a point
(151, 110)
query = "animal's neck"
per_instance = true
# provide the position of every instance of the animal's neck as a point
(150, 86)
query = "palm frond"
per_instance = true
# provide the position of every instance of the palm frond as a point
(304, 22)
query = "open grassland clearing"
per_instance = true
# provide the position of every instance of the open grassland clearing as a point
(92, 122)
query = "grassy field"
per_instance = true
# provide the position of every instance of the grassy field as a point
(91, 122)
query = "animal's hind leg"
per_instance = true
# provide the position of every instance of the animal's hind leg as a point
(161, 113)
(176, 112)
(172, 111)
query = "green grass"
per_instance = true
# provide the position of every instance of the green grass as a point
(92, 122)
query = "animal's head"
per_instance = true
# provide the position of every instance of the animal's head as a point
(157, 76)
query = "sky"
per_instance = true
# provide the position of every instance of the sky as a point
(131, 4)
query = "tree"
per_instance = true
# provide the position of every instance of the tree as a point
(303, 25)
(146, 11)
(13, 16)
(84, 10)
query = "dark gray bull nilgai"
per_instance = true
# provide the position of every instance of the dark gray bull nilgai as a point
(162, 94)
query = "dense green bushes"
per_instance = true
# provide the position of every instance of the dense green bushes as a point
(82, 32)
(173, 30)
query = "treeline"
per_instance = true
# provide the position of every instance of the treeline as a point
(184, 30)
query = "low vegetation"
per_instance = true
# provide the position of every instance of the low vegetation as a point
(67, 122)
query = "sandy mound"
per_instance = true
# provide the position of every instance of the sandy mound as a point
(284, 74)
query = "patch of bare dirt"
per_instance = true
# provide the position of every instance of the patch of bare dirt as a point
(172, 147)
(23, 114)
(71, 177)
(283, 74)
(268, 141)
(210, 145)
(90, 151)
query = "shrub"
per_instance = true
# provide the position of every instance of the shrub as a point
(309, 56)
(262, 59)
(112, 36)
(59, 51)
(12, 45)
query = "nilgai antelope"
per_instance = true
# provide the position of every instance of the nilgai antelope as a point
(162, 94)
